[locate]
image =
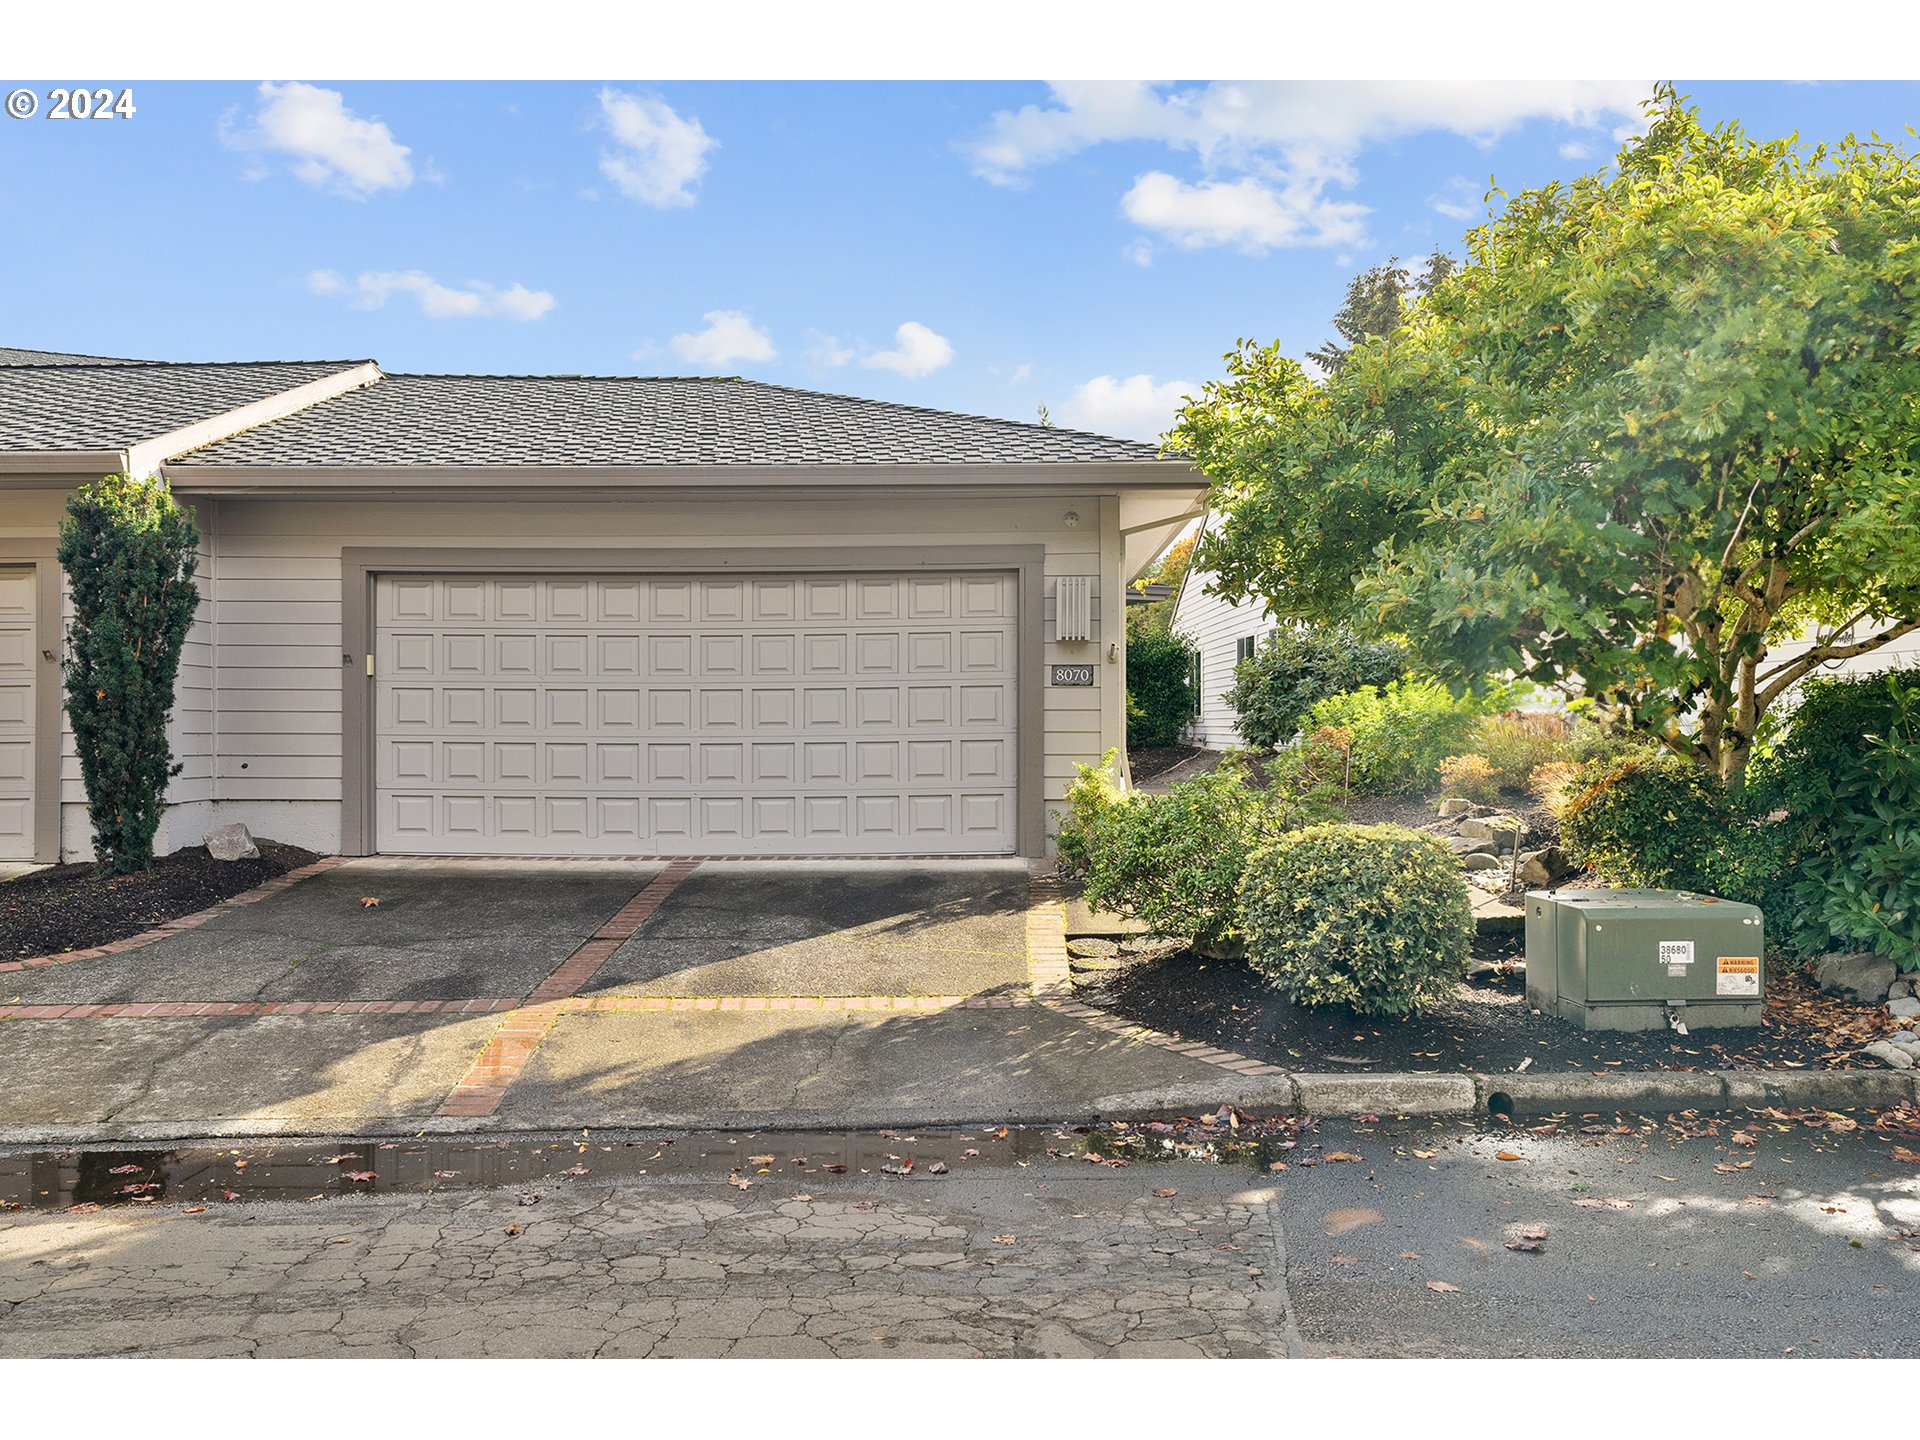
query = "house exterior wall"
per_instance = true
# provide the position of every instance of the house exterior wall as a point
(278, 611)
(1216, 627)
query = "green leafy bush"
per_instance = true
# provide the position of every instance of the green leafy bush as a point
(1518, 742)
(129, 553)
(1373, 917)
(1296, 669)
(1159, 686)
(1847, 773)
(1400, 733)
(1662, 823)
(1174, 861)
(1094, 790)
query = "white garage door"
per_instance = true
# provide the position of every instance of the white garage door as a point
(17, 633)
(723, 715)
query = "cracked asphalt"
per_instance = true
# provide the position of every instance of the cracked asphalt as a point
(1663, 1236)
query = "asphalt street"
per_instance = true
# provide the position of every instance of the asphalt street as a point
(1655, 1236)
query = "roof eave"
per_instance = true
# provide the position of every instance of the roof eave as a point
(1136, 474)
(62, 462)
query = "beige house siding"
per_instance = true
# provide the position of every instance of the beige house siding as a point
(278, 614)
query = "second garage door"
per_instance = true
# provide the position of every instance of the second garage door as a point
(755, 715)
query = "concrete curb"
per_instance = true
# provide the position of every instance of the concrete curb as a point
(1388, 1093)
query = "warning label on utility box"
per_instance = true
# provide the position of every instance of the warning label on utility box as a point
(1738, 975)
(1676, 955)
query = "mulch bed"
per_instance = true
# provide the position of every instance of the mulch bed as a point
(1486, 1025)
(1148, 762)
(69, 907)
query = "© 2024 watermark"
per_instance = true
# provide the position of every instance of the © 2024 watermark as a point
(72, 102)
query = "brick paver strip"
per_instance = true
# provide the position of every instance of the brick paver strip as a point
(480, 1091)
(174, 927)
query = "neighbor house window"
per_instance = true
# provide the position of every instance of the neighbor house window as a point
(1243, 648)
(1193, 684)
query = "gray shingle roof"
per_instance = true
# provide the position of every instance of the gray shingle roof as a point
(570, 420)
(110, 404)
(13, 355)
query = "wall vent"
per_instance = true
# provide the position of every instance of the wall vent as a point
(1073, 608)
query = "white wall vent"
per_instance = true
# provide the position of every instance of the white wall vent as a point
(1073, 608)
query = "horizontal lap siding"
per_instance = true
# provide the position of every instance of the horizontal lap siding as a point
(1215, 627)
(279, 606)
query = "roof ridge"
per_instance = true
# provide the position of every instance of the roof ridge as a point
(104, 363)
(531, 375)
(960, 414)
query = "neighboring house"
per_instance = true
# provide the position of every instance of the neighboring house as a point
(1223, 634)
(560, 615)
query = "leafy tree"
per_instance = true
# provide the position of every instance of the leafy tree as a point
(1296, 669)
(129, 554)
(1376, 304)
(1661, 420)
(1159, 683)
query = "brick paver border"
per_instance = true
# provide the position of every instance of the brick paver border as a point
(1051, 976)
(479, 1092)
(185, 922)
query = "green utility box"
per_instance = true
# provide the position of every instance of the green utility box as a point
(1641, 959)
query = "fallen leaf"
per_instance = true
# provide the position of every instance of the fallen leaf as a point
(85, 1207)
(802, 1199)
(1609, 1202)
(1343, 1259)
(359, 1174)
(938, 1167)
(532, 1197)
(1535, 1232)
(1409, 1255)
(1744, 1137)
(1276, 1165)
(445, 1174)
(1505, 1155)
(125, 1169)
(1906, 1156)
(574, 1170)
(905, 1167)
(1531, 1246)
(1339, 1222)
(968, 1154)
(1334, 1155)
(759, 1159)
(1166, 1194)
(1443, 1287)
(193, 1209)
(1736, 1166)
(1425, 1154)
(739, 1181)
(369, 902)
(341, 1240)
(139, 1187)
(1003, 1239)
(514, 1229)
(834, 1169)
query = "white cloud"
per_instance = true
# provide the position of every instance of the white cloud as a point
(661, 154)
(1135, 407)
(370, 290)
(330, 146)
(827, 352)
(729, 336)
(1270, 151)
(1247, 213)
(917, 351)
(1575, 150)
(1456, 199)
(1140, 252)
(1021, 373)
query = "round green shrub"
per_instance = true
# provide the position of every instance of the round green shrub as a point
(1159, 686)
(1646, 821)
(1295, 669)
(1373, 917)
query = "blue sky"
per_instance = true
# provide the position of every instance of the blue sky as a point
(1092, 247)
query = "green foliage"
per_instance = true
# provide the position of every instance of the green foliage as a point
(1847, 771)
(129, 554)
(1295, 669)
(1174, 861)
(1471, 777)
(1399, 733)
(1159, 684)
(1373, 917)
(1376, 304)
(1518, 742)
(1094, 790)
(1661, 420)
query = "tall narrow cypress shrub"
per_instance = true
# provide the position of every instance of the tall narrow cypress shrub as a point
(129, 552)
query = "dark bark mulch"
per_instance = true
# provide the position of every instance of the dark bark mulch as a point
(1486, 1025)
(69, 907)
(1150, 761)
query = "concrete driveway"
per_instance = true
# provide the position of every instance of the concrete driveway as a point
(542, 994)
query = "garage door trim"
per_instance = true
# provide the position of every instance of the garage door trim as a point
(360, 566)
(48, 688)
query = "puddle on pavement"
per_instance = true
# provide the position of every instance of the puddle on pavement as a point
(316, 1170)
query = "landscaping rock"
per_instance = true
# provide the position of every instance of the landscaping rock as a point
(1548, 866)
(1899, 1057)
(1449, 809)
(1093, 949)
(232, 842)
(1463, 846)
(1854, 974)
(1482, 860)
(1907, 1039)
(1900, 989)
(1902, 1008)
(1501, 831)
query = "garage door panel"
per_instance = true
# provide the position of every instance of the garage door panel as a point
(751, 714)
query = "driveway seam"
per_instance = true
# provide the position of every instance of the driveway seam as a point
(184, 922)
(501, 1060)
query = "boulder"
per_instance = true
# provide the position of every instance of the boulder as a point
(1546, 867)
(1854, 974)
(1463, 845)
(1888, 1054)
(1899, 989)
(1502, 832)
(1903, 1008)
(1451, 809)
(232, 842)
(1481, 860)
